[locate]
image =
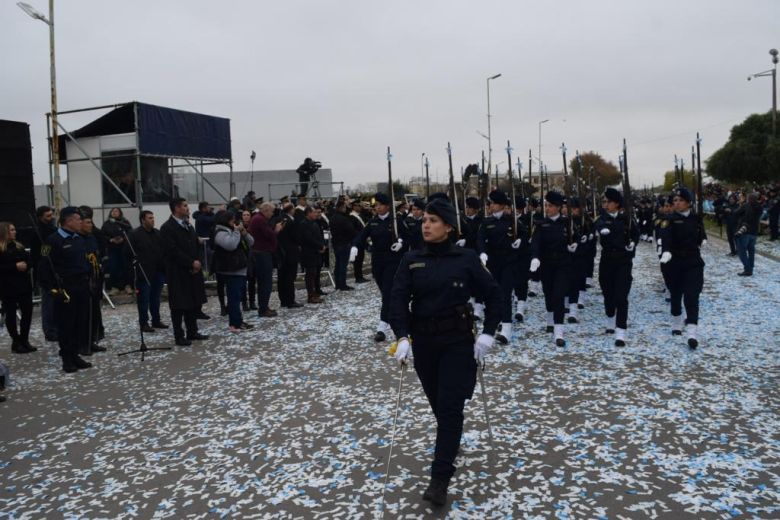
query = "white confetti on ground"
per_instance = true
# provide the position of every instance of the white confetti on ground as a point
(293, 418)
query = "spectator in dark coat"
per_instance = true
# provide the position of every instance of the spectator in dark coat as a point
(15, 288)
(114, 229)
(150, 274)
(183, 271)
(343, 231)
(288, 256)
(312, 247)
(46, 226)
(747, 232)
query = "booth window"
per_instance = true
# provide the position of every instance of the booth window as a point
(121, 167)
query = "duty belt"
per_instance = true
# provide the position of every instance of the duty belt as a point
(685, 252)
(460, 318)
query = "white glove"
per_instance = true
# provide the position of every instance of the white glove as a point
(584, 239)
(402, 350)
(604, 231)
(630, 246)
(397, 246)
(353, 253)
(535, 263)
(461, 242)
(481, 346)
(703, 244)
(572, 247)
(666, 257)
(659, 241)
(483, 258)
(590, 237)
(516, 244)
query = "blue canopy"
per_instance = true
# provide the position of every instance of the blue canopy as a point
(164, 132)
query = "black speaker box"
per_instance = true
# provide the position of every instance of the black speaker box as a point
(17, 195)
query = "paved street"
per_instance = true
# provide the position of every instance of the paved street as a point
(293, 419)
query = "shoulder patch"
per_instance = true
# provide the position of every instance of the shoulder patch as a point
(45, 250)
(664, 224)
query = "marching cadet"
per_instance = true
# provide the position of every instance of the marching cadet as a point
(438, 281)
(551, 250)
(470, 221)
(414, 224)
(386, 252)
(95, 253)
(535, 213)
(682, 236)
(664, 210)
(497, 247)
(581, 231)
(523, 264)
(64, 272)
(618, 236)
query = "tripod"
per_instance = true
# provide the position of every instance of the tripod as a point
(137, 267)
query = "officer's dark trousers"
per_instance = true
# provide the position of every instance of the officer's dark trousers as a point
(264, 273)
(686, 280)
(285, 281)
(503, 267)
(448, 373)
(188, 316)
(383, 270)
(521, 276)
(615, 281)
(579, 271)
(72, 320)
(48, 322)
(730, 231)
(357, 265)
(774, 217)
(95, 321)
(555, 284)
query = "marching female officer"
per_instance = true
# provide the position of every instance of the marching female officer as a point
(438, 280)
(682, 236)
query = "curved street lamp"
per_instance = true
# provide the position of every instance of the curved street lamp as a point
(773, 73)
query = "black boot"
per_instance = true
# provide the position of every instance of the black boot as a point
(223, 311)
(17, 347)
(30, 347)
(436, 493)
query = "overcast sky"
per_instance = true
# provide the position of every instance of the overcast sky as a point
(340, 81)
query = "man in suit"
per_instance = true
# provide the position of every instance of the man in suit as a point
(289, 254)
(183, 270)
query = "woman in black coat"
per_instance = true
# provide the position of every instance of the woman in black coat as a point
(118, 269)
(15, 288)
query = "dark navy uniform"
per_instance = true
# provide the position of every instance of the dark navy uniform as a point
(469, 228)
(522, 274)
(682, 236)
(582, 233)
(384, 261)
(414, 228)
(96, 279)
(615, 266)
(549, 245)
(494, 238)
(438, 281)
(68, 254)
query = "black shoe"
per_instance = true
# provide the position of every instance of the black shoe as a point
(81, 364)
(361, 280)
(202, 316)
(246, 326)
(609, 331)
(17, 347)
(98, 348)
(379, 336)
(147, 328)
(676, 332)
(580, 306)
(731, 254)
(519, 318)
(159, 325)
(620, 343)
(502, 339)
(572, 319)
(2, 399)
(295, 305)
(183, 342)
(436, 493)
(550, 329)
(693, 343)
(223, 311)
(346, 288)
(532, 294)
(69, 368)
(560, 342)
(198, 337)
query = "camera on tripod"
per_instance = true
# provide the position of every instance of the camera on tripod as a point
(306, 172)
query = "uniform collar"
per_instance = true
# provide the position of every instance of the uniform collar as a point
(65, 234)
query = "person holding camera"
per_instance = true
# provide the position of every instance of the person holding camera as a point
(232, 244)
(263, 248)
(15, 288)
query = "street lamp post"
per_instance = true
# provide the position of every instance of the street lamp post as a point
(490, 147)
(252, 157)
(55, 142)
(771, 72)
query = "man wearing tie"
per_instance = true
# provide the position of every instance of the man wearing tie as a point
(186, 290)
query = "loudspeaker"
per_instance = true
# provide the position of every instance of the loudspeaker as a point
(17, 195)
